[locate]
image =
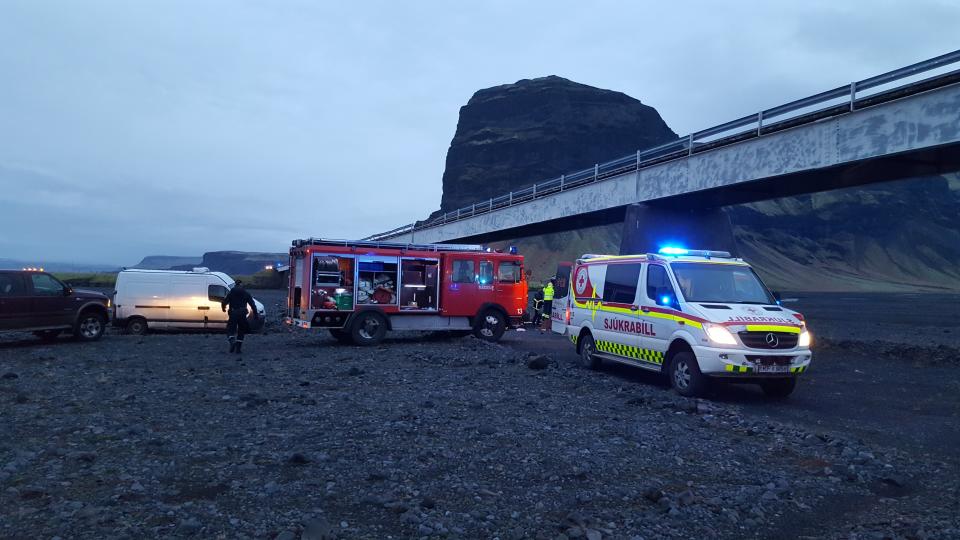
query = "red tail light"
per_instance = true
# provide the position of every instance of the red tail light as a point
(799, 316)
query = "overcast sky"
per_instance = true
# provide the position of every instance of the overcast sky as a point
(178, 127)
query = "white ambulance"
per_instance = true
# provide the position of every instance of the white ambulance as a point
(694, 315)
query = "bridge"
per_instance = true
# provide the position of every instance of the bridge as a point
(900, 124)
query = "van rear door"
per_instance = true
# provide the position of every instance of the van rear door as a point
(561, 298)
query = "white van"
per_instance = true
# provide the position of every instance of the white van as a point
(155, 299)
(697, 316)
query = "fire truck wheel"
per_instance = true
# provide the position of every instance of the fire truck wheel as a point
(685, 376)
(341, 335)
(369, 328)
(778, 388)
(490, 326)
(587, 349)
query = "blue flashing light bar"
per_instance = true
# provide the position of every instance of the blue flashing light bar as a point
(671, 250)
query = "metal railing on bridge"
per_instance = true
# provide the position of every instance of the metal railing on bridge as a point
(840, 100)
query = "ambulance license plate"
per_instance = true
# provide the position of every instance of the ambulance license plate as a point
(772, 369)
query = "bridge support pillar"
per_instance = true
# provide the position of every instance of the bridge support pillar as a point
(647, 228)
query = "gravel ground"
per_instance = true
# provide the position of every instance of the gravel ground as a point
(169, 436)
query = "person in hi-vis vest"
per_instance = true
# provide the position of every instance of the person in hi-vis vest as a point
(547, 303)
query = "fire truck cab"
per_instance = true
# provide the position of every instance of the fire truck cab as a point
(358, 290)
(695, 315)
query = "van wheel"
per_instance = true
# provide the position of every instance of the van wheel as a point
(490, 326)
(369, 328)
(137, 326)
(588, 349)
(685, 376)
(47, 335)
(90, 326)
(341, 335)
(778, 388)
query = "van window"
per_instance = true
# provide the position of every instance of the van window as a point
(509, 272)
(463, 271)
(620, 284)
(657, 280)
(216, 293)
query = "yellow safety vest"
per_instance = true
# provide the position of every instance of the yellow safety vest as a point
(548, 292)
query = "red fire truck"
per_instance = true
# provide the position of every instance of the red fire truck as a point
(360, 289)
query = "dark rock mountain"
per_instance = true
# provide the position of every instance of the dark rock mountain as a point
(896, 236)
(515, 135)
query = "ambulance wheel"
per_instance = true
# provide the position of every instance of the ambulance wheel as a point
(490, 326)
(341, 335)
(685, 376)
(137, 326)
(369, 329)
(778, 388)
(588, 348)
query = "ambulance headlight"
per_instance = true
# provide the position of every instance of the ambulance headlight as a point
(805, 339)
(720, 335)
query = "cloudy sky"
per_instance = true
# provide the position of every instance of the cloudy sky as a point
(183, 126)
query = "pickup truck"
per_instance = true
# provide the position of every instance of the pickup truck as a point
(35, 301)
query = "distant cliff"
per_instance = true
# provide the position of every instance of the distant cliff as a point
(165, 262)
(894, 236)
(236, 262)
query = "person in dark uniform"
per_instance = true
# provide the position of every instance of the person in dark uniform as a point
(237, 300)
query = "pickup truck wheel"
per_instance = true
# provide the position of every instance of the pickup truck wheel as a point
(778, 388)
(685, 376)
(137, 326)
(588, 349)
(48, 335)
(90, 326)
(490, 326)
(341, 335)
(368, 329)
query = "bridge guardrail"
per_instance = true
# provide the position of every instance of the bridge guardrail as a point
(756, 125)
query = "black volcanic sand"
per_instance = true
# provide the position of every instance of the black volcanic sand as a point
(430, 436)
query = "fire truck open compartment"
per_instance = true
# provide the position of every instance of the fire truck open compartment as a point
(420, 282)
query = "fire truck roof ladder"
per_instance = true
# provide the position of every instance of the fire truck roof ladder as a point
(395, 245)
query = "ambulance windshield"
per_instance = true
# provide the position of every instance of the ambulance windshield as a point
(723, 283)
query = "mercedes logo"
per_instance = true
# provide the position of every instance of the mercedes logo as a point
(772, 340)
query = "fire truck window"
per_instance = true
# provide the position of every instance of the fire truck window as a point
(377, 282)
(620, 284)
(657, 280)
(463, 272)
(509, 272)
(418, 283)
(486, 272)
